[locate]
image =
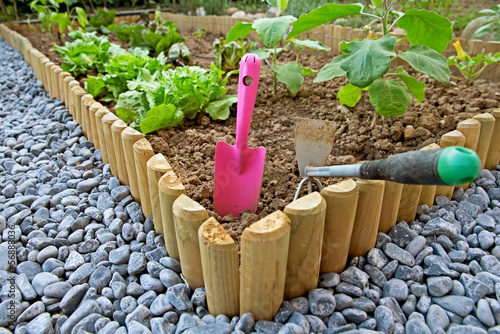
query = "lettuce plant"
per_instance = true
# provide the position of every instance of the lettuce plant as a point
(101, 20)
(271, 32)
(228, 56)
(87, 52)
(167, 98)
(366, 62)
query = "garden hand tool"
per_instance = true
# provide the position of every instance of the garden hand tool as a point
(238, 168)
(448, 166)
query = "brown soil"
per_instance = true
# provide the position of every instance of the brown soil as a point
(190, 148)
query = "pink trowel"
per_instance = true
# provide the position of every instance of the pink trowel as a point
(238, 168)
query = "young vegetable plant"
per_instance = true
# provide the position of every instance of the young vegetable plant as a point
(471, 67)
(227, 56)
(271, 32)
(100, 21)
(50, 17)
(366, 63)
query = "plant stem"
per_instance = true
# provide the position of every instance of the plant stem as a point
(15, 10)
(4, 9)
(275, 75)
(374, 121)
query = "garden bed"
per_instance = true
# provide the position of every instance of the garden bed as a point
(190, 148)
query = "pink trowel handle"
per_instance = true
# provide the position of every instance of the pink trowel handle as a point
(247, 91)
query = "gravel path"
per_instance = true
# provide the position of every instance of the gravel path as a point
(77, 255)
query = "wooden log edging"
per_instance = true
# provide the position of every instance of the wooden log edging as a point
(202, 240)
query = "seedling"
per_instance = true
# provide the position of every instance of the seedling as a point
(366, 62)
(471, 67)
(271, 32)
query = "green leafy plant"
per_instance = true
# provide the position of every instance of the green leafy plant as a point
(180, 52)
(87, 52)
(167, 98)
(366, 62)
(101, 20)
(471, 67)
(228, 55)
(492, 26)
(199, 34)
(109, 84)
(50, 17)
(157, 37)
(271, 32)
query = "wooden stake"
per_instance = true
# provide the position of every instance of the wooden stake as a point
(62, 77)
(93, 125)
(66, 82)
(76, 94)
(45, 78)
(493, 156)
(264, 255)
(156, 166)
(129, 137)
(389, 213)
(428, 193)
(142, 153)
(471, 129)
(364, 232)
(54, 83)
(188, 217)
(71, 100)
(99, 114)
(341, 202)
(50, 80)
(169, 188)
(307, 221)
(86, 99)
(453, 138)
(487, 124)
(107, 122)
(220, 264)
(116, 131)
(409, 202)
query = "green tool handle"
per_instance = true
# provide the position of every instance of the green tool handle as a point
(449, 166)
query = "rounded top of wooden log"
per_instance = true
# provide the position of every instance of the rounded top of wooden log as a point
(159, 163)
(170, 184)
(453, 138)
(469, 123)
(370, 184)
(432, 146)
(110, 118)
(44, 59)
(486, 117)
(306, 205)
(78, 90)
(142, 146)
(87, 97)
(64, 74)
(345, 188)
(73, 83)
(89, 102)
(68, 78)
(95, 106)
(49, 64)
(211, 233)
(118, 126)
(496, 113)
(101, 112)
(271, 227)
(131, 134)
(187, 209)
(57, 70)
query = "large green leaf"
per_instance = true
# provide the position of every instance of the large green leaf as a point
(95, 86)
(62, 21)
(389, 97)
(349, 95)
(219, 109)
(239, 30)
(427, 61)
(368, 60)
(311, 44)
(129, 106)
(415, 86)
(426, 28)
(271, 31)
(322, 15)
(331, 70)
(291, 74)
(160, 117)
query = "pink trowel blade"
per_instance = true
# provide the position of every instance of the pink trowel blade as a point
(238, 168)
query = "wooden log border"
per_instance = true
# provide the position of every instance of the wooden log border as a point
(265, 244)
